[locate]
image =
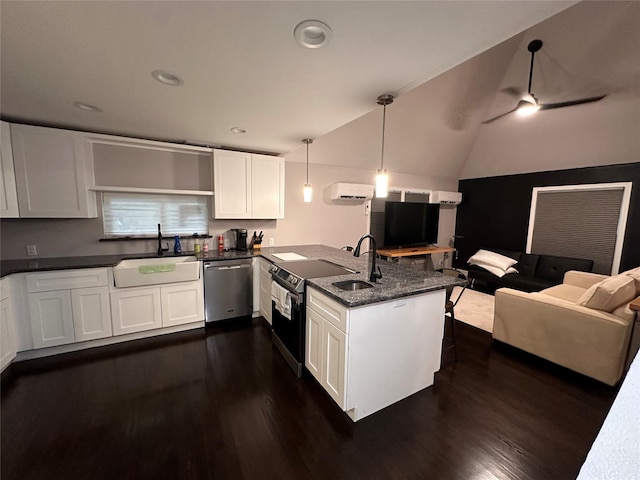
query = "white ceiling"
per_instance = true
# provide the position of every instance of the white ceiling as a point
(451, 65)
(242, 67)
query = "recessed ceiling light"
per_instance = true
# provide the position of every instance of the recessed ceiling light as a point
(312, 34)
(238, 130)
(86, 107)
(167, 78)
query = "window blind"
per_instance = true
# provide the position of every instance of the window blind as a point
(138, 214)
(578, 223)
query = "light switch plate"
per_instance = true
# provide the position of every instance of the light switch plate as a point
(32, 250)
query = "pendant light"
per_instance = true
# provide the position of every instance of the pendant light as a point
(307, 190)
(382, 178)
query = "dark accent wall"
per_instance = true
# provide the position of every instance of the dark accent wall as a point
(495, 210)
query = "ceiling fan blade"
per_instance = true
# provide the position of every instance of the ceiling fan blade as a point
(500, 116)
(570, 103)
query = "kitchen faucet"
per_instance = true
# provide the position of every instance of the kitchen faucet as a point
(373, 276)
(160, 249)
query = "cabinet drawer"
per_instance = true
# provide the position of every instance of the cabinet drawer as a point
(329, 309)
(265, 267)
(66, 279)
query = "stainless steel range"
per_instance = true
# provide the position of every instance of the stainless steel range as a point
(288, 304)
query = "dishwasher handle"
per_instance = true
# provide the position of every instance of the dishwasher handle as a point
(229, 267)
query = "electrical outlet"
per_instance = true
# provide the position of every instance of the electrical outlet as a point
(272, 241)
(32, 250)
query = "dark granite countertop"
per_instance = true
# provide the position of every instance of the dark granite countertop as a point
(398, 280)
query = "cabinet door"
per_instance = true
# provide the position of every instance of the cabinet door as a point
(267, 186)
(136, 310)
(313, 358)
(182, 304)
(265, 290)
(334, 365)
(51, 318)
(7, 337)
(91, 313)
(53, 172)
(8, 194)
(232, 184)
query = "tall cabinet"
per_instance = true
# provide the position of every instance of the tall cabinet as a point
(247, 185)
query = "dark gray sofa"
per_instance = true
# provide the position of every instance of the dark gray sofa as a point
(535, 272)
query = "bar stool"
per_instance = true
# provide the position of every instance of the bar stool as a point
(449, 308)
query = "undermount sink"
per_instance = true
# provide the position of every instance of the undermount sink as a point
(138, 272)
(352, 285)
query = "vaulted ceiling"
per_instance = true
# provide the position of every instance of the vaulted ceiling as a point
(451, 65)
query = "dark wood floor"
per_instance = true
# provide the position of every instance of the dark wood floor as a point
(220, 403)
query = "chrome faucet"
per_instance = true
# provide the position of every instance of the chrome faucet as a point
(373, 276)
(160, 249)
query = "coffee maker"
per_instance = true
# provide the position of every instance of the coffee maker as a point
(240, 236)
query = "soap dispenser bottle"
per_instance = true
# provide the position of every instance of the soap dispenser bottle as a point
(177, 248)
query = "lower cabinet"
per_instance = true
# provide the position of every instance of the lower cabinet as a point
(68, 306)
(136, 310)
(139, 309)
(265, 289)
(7, 334)
(371, 356)
(182, 303)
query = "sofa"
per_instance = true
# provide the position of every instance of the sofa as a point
(532, 273)
(584, 324)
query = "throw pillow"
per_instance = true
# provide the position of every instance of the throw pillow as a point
(635, 274)
(609, 294)
(497, 271)
(485, 257)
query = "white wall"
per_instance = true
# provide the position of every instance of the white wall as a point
(321, 221)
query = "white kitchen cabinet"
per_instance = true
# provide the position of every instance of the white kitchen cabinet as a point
(267, 187)
(231, 184)
(247, 185)
(91, 313)
(371, 356)
(53, 171)
(8, 193)
(51, 318)
(265, 289)
(7, 334)
(68, 306)
(182, 303)
(136, 310)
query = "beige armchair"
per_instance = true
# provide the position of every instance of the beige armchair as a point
(554, 324)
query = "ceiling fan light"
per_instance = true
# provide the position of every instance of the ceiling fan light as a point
(526, 108)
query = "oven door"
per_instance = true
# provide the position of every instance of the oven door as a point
(288, 334)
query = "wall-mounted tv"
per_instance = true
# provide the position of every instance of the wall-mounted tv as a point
(408, 224)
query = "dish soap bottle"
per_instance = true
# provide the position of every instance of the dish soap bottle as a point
(177, 248)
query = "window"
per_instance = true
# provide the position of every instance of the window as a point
(582, 221)
(138, 214)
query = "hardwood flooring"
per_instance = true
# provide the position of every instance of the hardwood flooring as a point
(220, 403)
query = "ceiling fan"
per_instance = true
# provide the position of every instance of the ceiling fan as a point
(529, 104)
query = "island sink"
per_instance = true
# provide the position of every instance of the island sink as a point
(352, 285)
(137, 272)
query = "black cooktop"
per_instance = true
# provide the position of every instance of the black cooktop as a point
(314, 268)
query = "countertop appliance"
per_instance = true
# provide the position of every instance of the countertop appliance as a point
(288, 332)
(228, 289)
(236, 239)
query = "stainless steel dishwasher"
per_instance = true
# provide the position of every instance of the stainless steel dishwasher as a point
(228, 289)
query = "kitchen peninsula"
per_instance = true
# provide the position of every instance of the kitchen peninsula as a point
(367, 348)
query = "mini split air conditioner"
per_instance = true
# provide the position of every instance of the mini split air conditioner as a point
(351, 191)
(445, 198)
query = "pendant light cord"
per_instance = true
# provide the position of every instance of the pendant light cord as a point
(384, 118)
(307, 163)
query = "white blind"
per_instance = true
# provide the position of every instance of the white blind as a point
(138, 214)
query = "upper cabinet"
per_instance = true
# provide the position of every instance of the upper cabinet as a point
(8, 194)
(53, 171)
(248, 185)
